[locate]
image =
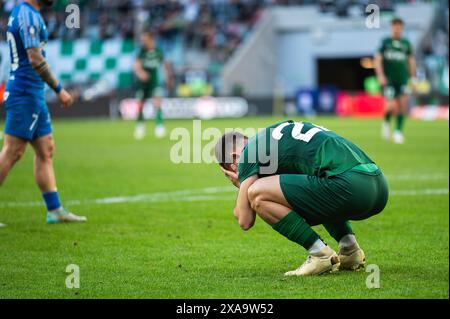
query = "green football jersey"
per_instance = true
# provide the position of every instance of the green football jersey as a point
(395, 60)
(151, 62)
(298, 148)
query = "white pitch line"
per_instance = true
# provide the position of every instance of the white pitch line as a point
(415, 192)
(163, 196)
(204, 194)
(159, 197)
(196, 195)
(417, 177)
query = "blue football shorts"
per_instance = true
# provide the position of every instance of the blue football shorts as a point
(27, 115)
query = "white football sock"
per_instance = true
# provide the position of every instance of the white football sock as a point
(347, 240)
(317, 247)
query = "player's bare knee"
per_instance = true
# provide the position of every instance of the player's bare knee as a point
(255, 195)
(256, 203)
(14, 153)
(49, 151)
(256, 189)
(46, 152)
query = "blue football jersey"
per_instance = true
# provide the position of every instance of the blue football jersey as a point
(26, 29)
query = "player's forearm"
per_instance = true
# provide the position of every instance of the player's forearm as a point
(139, 70)
(243, 211)
(41, 67)
(169, 71)
(379, 71)
(412, 67)
(245, 216)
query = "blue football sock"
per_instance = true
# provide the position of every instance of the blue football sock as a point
(52, 201)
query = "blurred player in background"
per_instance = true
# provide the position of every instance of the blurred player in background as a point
(1, 101)
(2, 82)
(2, 88)
(394, 65)
(147, 69)
(27, 115)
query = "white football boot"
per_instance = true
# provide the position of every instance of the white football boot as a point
(386, 130)
(325, 261)
(64, 216)
(352, 257)
(2, 225)
(139, 131)
(160, 131)
(398, 137)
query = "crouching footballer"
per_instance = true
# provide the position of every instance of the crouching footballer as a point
(296, 175)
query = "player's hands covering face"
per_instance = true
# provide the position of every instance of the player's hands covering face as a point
(232, 176)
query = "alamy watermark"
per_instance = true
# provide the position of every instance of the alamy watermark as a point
(73, 17)
(199, 144)
(373, 279)
(372, 19)
(73, 279)
(373, 16)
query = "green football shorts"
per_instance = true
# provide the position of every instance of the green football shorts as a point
(392, 91)
(147, 90)
(356, 194)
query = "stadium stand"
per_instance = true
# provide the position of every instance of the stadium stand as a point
(219, 47)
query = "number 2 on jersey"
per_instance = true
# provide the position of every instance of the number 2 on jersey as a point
(297, 131)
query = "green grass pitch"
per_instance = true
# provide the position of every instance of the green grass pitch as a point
(179, 238)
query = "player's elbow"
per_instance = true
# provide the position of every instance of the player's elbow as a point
(246, 225)
(377, 59)
(137, 67)
(35, 58)
(236, 213)
(33, 61)
(244, 222)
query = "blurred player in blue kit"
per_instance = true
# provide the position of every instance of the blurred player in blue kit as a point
(27, 116)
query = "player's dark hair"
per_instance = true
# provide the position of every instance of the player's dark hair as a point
(226, 145)
(149, 32)
(46, 3)
(397, 21)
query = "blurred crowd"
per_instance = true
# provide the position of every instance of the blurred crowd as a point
(203, 24)
(214, 27)
(203, 21)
